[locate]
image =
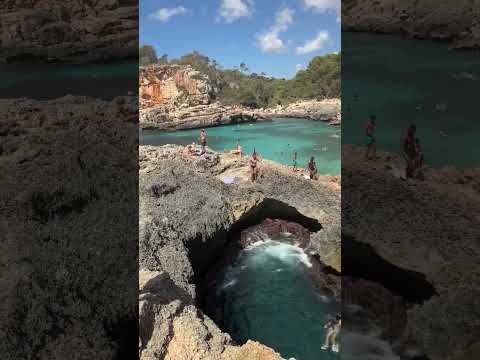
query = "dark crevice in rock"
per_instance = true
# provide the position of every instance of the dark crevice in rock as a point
(275, 209)
(122, 334)
(208, 258)
(360, 260)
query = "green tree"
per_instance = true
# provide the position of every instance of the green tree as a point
(147, 55)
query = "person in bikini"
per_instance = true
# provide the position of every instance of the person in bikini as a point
(409, 152)
(370, 140)
(312, 168)
(253, 165)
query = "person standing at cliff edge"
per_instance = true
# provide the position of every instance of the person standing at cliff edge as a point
(409, 152)
(203, 140)
(370, 141)
(312, 168)
(253, 165)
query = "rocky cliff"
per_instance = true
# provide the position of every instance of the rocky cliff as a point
(457, 22)
(170, 87)
(177, 97)
(187, 218)
(428, 255)
(59, 30)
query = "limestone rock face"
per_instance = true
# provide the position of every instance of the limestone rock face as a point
(68, 30)
(173, 86)
(177, 97)
(457, 22)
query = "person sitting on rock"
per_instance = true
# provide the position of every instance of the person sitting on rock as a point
(312, 168)
(238, 149)
(253, 165)
(203, 140)
(336, 331)
(191, 149)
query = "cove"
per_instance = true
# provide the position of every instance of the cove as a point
(43, 81)
(268, 296)
(400, 80)
(275, 140)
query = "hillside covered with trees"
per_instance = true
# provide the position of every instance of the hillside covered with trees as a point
(321, 79)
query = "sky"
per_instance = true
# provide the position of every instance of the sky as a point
(277, 37)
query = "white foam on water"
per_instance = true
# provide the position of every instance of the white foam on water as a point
(290, 254)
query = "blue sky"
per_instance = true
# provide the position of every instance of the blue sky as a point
(272, 36)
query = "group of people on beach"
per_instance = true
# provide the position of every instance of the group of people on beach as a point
(254, 158)
(410, 148)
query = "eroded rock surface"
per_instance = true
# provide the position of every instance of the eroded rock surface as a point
(59, 30)
(431, 227)
(457, 22)
(66, 227)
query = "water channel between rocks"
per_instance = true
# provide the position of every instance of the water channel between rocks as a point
(268, 295)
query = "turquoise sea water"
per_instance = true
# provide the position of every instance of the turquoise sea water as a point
(393, 76)
(49, 81)
(267, 296)
(274, 140)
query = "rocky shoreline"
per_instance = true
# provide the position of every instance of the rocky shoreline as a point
(455, 23)
(206, 213)
(175, 97)
(203, 116)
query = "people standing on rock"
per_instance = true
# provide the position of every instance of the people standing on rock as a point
(253, 165)
(203, 140)
(332, 329)
(312, 168)
(408, 151)
(294, 160)
(370, 140)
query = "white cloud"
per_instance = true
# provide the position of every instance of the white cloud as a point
(299, 67)
(270, 41)
(319, 42)
(323, 6)
(164, 14)
(231, 10)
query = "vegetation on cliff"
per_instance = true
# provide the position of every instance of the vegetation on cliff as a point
(321, 79)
